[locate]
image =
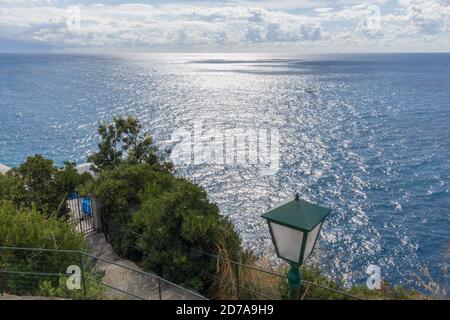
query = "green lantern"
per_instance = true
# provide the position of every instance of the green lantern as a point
(295, 225)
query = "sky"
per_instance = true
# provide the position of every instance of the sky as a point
(311, 26)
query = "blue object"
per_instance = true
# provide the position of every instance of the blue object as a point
(72, 196)
(86, 207)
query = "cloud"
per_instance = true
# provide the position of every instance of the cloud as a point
(332, 24)
(428, 17)
(146, 25)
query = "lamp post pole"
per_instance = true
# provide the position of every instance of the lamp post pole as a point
(294, 226)
(294, 281)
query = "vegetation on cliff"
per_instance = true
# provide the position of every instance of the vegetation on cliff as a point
(33, 215)
(151, 215)
(163, 222)
(38, 183)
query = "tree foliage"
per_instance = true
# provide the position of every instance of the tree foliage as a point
(164, 222)
(121, 141)
(37, 182)
(150, 214)
(158, 219)
(5, 186)
(176, 220)
(28, 228)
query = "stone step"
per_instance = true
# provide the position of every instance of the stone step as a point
(135, 282)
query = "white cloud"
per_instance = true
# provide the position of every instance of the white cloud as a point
(333, 24)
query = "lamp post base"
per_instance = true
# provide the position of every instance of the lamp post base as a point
(294, 281)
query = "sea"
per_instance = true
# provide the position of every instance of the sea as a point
(367, 135)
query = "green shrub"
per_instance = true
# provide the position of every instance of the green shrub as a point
(37, 182)
(28, 228)
(93, 290)
(387, 292)
(5, 186)
(171, 214)
(175, 217)
(119, 191)
(317, 276)
(140, 195)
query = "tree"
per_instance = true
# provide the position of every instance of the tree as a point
(37, 182)
(158, 218)
(34, 184)
(119, 192)
(122, 141)
(152, 216)
(68, 179)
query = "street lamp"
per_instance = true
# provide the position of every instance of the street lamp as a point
(294, 226)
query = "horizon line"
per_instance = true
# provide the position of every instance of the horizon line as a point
(83, 52)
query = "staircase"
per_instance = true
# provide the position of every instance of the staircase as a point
(124, 279)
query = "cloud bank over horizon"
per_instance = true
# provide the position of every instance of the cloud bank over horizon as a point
(310, 26)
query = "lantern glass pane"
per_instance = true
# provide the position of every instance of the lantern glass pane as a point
(288, 241)
(311, 240)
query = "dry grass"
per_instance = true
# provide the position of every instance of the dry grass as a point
(241, 280)
(248, 279)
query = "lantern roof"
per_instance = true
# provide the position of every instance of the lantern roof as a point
(297, 214)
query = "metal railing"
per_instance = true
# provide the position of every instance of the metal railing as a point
(46, 272)
(250, 282)
(245, 276)
(80, 212)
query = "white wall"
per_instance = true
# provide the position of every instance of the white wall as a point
(4, 169)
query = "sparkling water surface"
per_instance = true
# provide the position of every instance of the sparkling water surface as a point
(366, 135)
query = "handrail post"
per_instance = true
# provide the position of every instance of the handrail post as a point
(159, 288)
(82, 275)
(236, 265)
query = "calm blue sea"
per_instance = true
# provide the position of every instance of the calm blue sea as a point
(367, 135)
